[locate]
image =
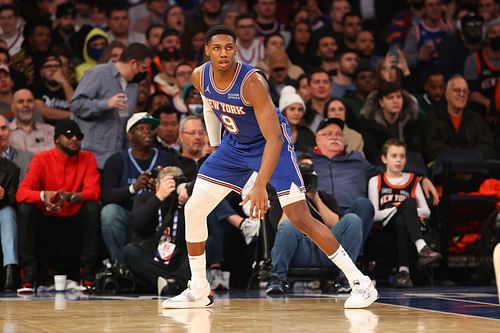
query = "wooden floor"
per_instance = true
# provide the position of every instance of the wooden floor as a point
(312, 313)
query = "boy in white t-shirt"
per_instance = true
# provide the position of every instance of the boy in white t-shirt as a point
(400, 207)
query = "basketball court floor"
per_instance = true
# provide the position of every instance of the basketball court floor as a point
(416, 310)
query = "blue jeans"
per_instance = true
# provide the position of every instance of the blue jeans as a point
(8, 233)
(293, 248)
(215, 242)
(115, 227)
(364, 209)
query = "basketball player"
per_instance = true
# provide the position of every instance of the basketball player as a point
(256, 138)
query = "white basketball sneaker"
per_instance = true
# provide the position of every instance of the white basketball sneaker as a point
(191, 298)
(363, 294)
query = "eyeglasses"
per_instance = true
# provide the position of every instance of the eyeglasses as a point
(185, 74)
(331, 133)
(279, 69)
(245, 26)
(202, 133)
(52, 66)
(69, 134)
(460, 91)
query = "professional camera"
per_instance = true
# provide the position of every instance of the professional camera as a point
(179, 180)
(310, 177)
(114, 278)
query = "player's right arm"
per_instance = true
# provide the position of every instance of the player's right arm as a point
(212, 123)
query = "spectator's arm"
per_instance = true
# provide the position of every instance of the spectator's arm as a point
(329, 217)
(91, 190)
(422, 207)
(484, 139)
(86, 102)
(435, 142)
(31, 186)
(411, 48)
(51, 113)
(145, 212)
(11, 188)
(112, 190)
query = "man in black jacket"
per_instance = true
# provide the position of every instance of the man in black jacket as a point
(455, 127)
(158, 248)
(9, 181)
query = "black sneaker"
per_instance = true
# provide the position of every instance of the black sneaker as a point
(427, 256)
(403, 280)
(276, 286)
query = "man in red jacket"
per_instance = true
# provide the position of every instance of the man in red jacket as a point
(58, 199)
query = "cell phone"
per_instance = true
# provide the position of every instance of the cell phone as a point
(393, 51)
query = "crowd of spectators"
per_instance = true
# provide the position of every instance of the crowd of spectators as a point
(95, 98)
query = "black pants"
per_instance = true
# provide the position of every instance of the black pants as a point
(146, 270)
(36, 230)
(406, 226)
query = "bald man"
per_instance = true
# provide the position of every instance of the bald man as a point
(27, 134)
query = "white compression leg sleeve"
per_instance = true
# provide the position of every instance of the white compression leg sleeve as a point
(206, 196)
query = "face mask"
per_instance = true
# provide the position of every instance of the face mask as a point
(495, 43)
(95, 53)
(139, 77)
(195, 108)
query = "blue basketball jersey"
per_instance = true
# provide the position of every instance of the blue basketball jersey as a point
(240, 152)
(237, 116)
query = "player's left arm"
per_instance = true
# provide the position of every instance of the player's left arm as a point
(256, 92)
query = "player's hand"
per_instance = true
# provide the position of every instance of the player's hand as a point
(118, 101)
(258, 199)
(2, 192)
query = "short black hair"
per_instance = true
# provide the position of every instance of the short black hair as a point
(167, 109)
(349, 14)
(342, 51)
(219, 29)
(9, 7)
(244, 16)
(116, 6)
(169, 32)
(271, 35)
(6, 52)
(387, 88)
(31, 25)
(137, 51)
(151, 27)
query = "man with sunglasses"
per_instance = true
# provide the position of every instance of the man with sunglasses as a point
(58, 202)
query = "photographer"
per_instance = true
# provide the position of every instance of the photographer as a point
(126, 174)
(293, 248)
(158, 247)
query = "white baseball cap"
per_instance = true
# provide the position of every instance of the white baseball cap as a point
(141, 117)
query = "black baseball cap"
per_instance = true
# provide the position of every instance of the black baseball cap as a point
(66, 8)
(327, 121)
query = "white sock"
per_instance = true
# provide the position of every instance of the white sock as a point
(198, 265)
(404, 269)
(344, 262)
(420, 243)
